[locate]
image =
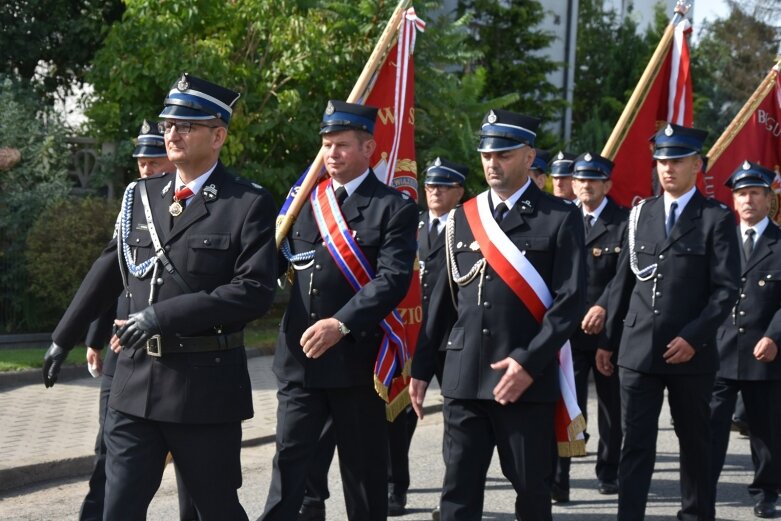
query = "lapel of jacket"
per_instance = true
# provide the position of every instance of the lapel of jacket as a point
(160, 199)
(196, 208)
(763, 247)
(523, 207)
(599, 227)
(361, 198)
(686, 221)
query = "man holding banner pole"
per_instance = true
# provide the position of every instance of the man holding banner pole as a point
(513, 301)
(351, 254)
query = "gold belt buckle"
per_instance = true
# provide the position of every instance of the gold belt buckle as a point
(154, 346)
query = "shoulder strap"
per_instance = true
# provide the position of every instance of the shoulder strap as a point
(159, 251)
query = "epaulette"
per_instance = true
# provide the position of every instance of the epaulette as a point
(247, 182)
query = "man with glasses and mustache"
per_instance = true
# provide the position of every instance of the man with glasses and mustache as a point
(197, 261)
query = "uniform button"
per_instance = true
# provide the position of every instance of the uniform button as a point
(486, 305)
(312, 315)
(657, 312)
(660, 276)
(741, 330)
(425, 297)
(742, 295)
(768, 276)
(742, 279)
(159, 281)
(218, 360)
(642, 247)
(425, 284)
(661, 257)
(742, 313)
(486, 332)
(206, 241)
(315, 291)
(488, 277)
(138, 240)
(318, 267)
(761, 283)
(658, 293)
(449, 343)
(167, 247)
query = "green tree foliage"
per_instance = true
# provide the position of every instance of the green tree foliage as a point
(506, 36)
(72, 229)
(610, 58)
(731, 59)
(49, 43)
(37, 181)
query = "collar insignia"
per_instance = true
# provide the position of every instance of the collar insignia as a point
(210, 192)
(165, 189)
(420, 225)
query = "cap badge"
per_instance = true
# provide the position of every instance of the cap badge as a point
(492, 117)
(145, 128)
(588, 157)
(746, 165)
(560, 155)
(437, 162)
(183, 83)
(329, 109)
(668, 131)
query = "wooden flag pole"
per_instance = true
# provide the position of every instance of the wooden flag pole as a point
(745, 113)
(375, 60)
(650, 73)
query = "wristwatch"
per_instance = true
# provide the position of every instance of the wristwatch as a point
(344, 330)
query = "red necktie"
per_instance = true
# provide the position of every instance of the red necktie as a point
(183, 194)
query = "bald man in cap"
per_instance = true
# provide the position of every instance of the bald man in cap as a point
(500, 379)
(748, 341)
(197, 261)
(333, 326)
(677, 281)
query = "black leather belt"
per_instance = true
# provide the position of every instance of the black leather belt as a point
(157, 345)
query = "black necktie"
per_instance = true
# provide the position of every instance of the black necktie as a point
(748, 244)
(671, 218)
(433, 234)
(499, 212)
(341, 195)
(587, 222)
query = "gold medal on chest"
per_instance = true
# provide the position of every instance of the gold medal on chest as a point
(175, 209)
(596, 252)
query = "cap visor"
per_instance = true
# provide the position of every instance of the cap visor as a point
(497, 144)
(178, 112)
(145, 151)
(674, 152)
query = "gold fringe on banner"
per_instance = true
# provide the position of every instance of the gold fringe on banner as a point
(572, 449)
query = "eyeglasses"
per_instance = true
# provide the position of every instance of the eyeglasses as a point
(182, 127)
(434, 188)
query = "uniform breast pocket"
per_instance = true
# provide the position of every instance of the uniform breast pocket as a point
(454, 348)
(141, 248)
(768, 284)
(691, 248)
(370, 241)
(208, 253)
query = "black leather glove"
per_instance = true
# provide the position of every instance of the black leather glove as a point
(139, 328)
(52, 361)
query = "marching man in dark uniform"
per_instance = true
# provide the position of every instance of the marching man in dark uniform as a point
(151, 159)
(677, 280)
(197, 261)
(561, 169)
(351, 253)
(517, 277)
(604, 223)
(748, 341)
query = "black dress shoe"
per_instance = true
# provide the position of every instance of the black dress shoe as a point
(559, 494)
(311, 513)
(608, 488)
(396, 504)
(739, 426)
(765, 509)
(435, 514)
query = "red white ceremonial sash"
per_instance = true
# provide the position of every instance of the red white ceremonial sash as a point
(512, 266)
(355, 267)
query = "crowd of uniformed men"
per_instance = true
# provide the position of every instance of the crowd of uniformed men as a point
(671, 296)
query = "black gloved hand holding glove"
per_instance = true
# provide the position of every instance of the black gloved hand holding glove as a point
(139, 328)
(52, 361)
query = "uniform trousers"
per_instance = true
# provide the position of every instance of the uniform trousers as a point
(92, 507)
(207, 456)
(522, 434)
(358, 416)
(608, 418)
(762, 400)
(642, 396)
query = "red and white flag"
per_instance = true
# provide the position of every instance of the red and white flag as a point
(664, 94)
(754, 135)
